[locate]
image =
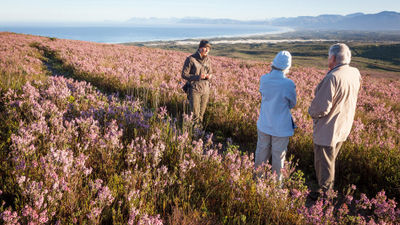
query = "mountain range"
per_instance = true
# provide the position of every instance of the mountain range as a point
(386, 20)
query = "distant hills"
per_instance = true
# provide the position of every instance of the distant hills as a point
(386, 20)
(381, 21)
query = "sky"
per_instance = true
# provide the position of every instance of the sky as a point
(122, 10)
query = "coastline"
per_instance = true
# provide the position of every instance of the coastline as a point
(140, 33)
(185, 41)
(239, 40)
(286, 35)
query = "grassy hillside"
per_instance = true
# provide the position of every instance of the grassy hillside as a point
(99, 135)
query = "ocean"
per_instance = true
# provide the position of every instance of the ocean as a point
(143, 33)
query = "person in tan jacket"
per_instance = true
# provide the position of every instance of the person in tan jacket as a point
(197, 72)
(332, 110)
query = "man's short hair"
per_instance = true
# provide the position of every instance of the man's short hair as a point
(341, 52)
(204, 43)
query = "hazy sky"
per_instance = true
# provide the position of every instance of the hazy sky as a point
(121, 10)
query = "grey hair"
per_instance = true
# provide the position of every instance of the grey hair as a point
(341, 52)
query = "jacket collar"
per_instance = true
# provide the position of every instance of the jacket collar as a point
(337, 66)
(198, 57)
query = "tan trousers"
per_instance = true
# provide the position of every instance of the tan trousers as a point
(324, 162)
(271, 147)
(198, 104)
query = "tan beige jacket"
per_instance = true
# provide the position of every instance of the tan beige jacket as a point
(334, 105)
(193, 67)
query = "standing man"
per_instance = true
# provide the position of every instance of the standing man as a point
(332, 111)
(197, 71)
(275, 124)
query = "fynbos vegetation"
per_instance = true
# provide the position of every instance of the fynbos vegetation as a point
(106, 140)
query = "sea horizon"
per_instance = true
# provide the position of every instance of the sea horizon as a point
(112, 34)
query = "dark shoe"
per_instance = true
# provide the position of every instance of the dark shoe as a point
(314, 195)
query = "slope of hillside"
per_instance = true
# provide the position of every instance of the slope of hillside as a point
(75, 151)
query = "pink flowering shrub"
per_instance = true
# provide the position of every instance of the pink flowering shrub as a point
(73, 162)
(329, 210)
(234, 106)
(71, 154)
(65, 129)
(18, 61)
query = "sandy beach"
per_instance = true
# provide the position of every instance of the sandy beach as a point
(247, 41)
(236, 41)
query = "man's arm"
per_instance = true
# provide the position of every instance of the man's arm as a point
(321, 105)
(186, 71)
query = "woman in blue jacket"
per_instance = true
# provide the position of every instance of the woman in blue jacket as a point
(275, 124)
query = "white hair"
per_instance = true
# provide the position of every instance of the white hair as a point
(341, 52)
(285, 71)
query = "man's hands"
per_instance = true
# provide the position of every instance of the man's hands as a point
(205, 76)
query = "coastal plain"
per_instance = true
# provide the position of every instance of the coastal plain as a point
(374, 53)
